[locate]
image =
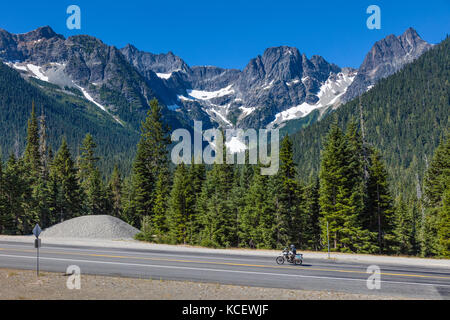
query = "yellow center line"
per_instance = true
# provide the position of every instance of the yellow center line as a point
(224, 263)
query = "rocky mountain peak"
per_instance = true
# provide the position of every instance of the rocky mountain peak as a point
(386, 57)
(38, 34)
(278, 86)
(158, 63)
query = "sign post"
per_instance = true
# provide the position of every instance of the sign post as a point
(37, 243)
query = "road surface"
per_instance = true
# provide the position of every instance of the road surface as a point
(314, 274)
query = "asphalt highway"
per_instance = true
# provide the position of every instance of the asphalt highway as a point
(315, 274)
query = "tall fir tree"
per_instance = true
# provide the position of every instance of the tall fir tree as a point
(152, 155)
(32, 157)
(159, 223)
(312, 230)
(66, 194)
(435, 237)
(444, 224)
(331, 175)
(3, 201)
(90, 179)
(256, 220)
(379, 209)
(197, 173)
(342, 191)
(405, 229)
(35, 207)
(217, 217)
(115, 193)
(17, 194)
(181, 207)
(287, 197)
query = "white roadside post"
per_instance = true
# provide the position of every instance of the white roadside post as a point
(37, 243)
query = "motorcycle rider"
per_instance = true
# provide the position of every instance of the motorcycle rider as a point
(293, 252)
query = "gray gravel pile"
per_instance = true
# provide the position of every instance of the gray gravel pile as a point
(92, 227)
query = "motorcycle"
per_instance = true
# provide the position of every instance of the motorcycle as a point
(286, 256)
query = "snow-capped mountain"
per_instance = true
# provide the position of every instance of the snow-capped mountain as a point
(277, 82)
(274, 88)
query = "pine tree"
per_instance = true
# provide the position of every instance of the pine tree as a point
(256, 221)
(435, 236)
(66, 193)
(128, 196)
(87, 162)
(180, 211)
(90, 179)
(444, 224)
(379, 211)
(17, 195)
(197, 173)
(312, 212)
(404, 229)
(3, 201)
(41, 192)
(152, 155)
(356, 238)
(331, 175)
(32, 156)
(217, 217)
(342, 191)
(44, 149)
(34, 207)
(159, 221)
(115, 192)
(287, 197)
(437, 174)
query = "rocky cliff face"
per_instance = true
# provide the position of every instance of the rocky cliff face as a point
(278, 80)
(100, 71)
(280, 85)
(386, 57)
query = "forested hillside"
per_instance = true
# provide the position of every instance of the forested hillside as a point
(404, 115)
(65, 115)
(230, 206)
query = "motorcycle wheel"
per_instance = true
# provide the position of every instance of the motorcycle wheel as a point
(280, 260)
(299, 262)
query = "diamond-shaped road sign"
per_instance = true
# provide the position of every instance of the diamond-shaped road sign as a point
(37, 230)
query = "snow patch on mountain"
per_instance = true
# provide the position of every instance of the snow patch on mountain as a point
(36, 70)
(166, 76)
(269, 85)
(246, 111)
(291, 83)
(222, 117)
(208, 95)
(89, 97)
(17, 66)
(296, 112)
(329, 95)
(183, 98)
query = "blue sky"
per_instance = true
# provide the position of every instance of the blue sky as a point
(230, 33)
